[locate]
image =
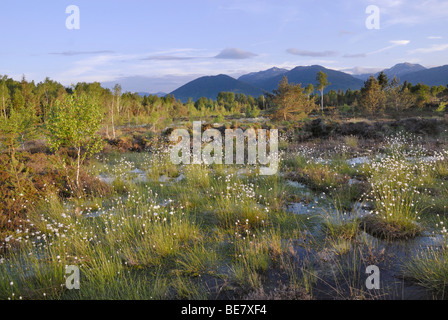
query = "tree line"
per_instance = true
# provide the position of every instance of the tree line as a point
(25, 105)
(378, 97)
(73, 116)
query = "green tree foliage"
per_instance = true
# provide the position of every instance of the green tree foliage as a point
(398, 98)
(309, 90)
(226, 100)
(332, 98)
(372, 97)
(15, 130)
(74, 123)
(289, 102)
(47, 92)
(27, 90)
(116, 103)
(18, 101)
(437, 90)
(422, 93)
(154, 118)
(5, 97)
(252, 111)
(19, 127)
(383, 80)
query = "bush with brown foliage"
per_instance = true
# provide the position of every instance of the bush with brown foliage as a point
(27, 179)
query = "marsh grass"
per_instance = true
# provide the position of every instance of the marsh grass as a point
(295, 162)
(320, 177)
(131, 285)
(273, 192)
(348, 275)
(441, 170)
(200, 259)
(351, 141)
(341, 224)
(253, 255)
(429, 269)
(346, 196)
(343, 272)
(30, 276)
(395, 189)
(340, 165)
(197, 176)
(172, 239)
(160, 165)
(299, 273)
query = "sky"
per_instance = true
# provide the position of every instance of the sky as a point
(161, 45)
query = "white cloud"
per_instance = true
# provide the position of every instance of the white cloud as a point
(433, 48)
(77, 53)
(162, 70)
(167, 58)
(400, 42)
(307, 53)
(354, 55)
(360, 70)
(395, 43)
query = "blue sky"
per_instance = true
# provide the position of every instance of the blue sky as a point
(163, 44)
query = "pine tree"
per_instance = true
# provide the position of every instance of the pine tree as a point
(289, 102)
(372, 97)
(398, 98)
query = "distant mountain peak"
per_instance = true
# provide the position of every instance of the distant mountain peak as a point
(408, 64)
(210, 86)
(268, 80)
(406, 67)
(399, 70)
(255, 78)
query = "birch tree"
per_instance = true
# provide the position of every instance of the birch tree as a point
(74, 123)
(322, 83)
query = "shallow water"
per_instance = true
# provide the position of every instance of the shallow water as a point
(296, 184)
(302, 208)
(358, 161)
(390, 255)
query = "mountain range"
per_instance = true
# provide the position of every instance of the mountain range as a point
(257, 83)
(210, 86)
(258, 78)
(307, 75)
(398, 70)
(437, 76)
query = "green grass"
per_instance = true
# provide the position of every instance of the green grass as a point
(341, 224)
(253, 255)
(224, 231)
(395, 192)
(429, 269)
(351, 141)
